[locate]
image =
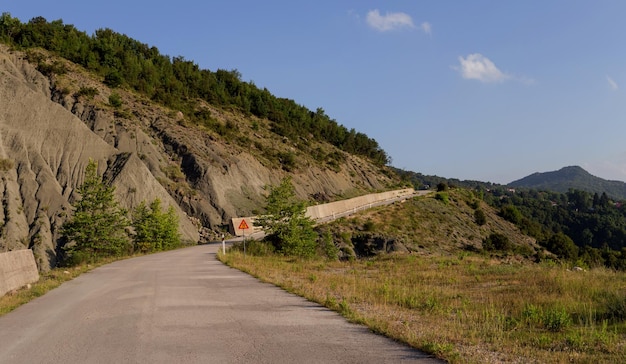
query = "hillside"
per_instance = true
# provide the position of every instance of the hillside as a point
(431, 226)
(573, 177)
(53, 122)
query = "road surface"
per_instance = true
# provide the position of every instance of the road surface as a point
(184, 306)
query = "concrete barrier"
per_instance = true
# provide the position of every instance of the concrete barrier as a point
(328, 210)
(17, 269)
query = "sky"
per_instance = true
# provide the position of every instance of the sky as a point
(476, 90)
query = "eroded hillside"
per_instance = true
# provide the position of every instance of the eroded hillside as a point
(52, 125)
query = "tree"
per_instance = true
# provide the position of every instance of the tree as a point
(563, 246)
(285, 221)
(98, 227)
(155, 230)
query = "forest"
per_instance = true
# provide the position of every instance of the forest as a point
(179, 83)
(584, 228)
(581, 227)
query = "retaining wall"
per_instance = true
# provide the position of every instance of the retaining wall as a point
(328, 210)
(17, 269)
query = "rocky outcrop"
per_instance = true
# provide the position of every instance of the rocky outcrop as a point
(44, 150)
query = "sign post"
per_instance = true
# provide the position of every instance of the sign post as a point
(243, 226)
(223, 245)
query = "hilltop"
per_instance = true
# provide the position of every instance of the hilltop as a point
(572, 177)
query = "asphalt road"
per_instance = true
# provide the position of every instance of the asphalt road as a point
(184, 306)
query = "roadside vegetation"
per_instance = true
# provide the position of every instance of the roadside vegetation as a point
(466, 308)
(100, 229)
(469, 288)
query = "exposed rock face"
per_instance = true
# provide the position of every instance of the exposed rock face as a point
(49, 132)
(45, 150)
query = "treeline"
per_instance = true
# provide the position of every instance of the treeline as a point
(178, 83)
(586, 228)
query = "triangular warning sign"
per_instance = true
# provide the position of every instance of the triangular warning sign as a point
(243, 225)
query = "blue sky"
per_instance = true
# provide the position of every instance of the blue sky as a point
(484, 90)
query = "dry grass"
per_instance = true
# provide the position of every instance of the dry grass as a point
(467, 309)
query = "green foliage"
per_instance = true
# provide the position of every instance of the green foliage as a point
(563, 246)
(89, 92)
(511, 213)
(443, 197)
(56, 68)
(155, 230)
(480, 217)
(497, 241)
(113, 79)
(556, 319)
(285, 222)
(179, 83)
(98, 226)
(115, 100)
(330, 249)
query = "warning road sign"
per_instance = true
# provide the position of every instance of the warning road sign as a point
(243, 225)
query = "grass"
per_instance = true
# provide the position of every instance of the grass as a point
(466, 308)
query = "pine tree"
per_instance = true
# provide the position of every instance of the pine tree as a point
(155, 230)
(98, 227)
(286, 223)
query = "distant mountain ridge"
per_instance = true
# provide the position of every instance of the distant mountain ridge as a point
(572, 177)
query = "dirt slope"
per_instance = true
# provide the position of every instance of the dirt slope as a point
(49, 129)
(45, 150)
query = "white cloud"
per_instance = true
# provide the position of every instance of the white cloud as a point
(612, 83)
(389, 21)
(478, 67)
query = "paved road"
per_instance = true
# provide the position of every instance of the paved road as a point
(184, 306)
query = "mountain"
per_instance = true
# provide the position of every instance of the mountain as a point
(572, 177)
(57, 115)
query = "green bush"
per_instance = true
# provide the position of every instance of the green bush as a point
(115, 100)
(497, 241)
(155, 230)
(443, 197)
(480, 217)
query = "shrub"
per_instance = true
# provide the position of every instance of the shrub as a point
(497, 241)
(89, 92)
(480, 217)
(443, 197)
(330, 249)
(115, 100)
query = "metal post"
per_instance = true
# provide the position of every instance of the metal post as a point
(223, 245)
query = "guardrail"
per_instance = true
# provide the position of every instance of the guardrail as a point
(331, 210)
